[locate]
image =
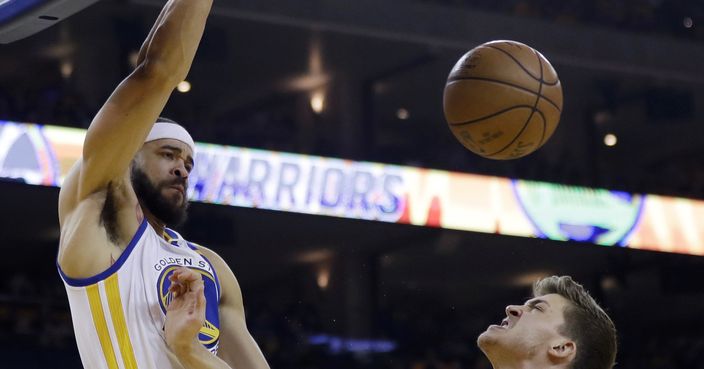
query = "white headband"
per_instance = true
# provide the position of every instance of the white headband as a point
(173, 131)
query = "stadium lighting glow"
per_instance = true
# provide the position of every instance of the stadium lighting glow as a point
(317, 101)
(323, 278)
(133, 57)
(184, 87)
(402, 114)
(610, 139)
(688, 22)
(66, 69)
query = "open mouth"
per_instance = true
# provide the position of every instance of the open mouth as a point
(505, 324)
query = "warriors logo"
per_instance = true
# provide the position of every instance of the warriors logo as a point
(579, 214)
(210, 332)
(26, 155)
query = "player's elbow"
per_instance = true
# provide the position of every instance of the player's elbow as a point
(158, 72)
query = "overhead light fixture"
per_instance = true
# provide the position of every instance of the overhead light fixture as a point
(183, 87)
(66, 69)
(402, 114)
(323, 278)
(317, 101)
(306, 82)
(610, 139)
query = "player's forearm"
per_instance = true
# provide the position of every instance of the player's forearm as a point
(174, 39)
(122, 124)
(195, 356)
(241, 351)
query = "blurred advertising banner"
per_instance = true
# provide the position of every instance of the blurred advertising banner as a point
(226, 175)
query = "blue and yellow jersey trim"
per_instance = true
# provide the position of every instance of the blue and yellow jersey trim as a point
(112, 315)
(117, 319)
(83, 282)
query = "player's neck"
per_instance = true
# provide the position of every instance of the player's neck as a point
(519, 365)
(507, 363)
(157, 224)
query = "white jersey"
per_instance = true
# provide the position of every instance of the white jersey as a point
(118, 315)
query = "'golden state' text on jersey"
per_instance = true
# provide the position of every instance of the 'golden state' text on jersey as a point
(119, 314)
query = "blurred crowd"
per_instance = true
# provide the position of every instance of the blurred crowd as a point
(58, 105)
(34, 317)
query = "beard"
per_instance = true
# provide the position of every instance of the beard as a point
(150, 197)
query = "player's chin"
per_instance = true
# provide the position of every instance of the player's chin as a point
(488, 338)
(484, 341)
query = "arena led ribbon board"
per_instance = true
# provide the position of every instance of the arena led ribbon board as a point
(226, 175)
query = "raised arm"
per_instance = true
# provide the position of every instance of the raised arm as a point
(120, 127)
(116, 134)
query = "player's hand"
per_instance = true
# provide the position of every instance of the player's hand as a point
(185, 313)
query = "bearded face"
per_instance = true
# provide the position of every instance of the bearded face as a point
(165, 199)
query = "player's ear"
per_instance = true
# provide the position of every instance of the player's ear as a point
(138, 157)
(562, 351)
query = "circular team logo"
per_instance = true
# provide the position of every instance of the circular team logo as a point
(26, 155)
(573, 213)
(210, 332)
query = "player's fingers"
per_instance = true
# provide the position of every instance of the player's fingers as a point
(177, 289)
(196, 284)
(177, 272)
(186, 275)
(199, 291)
(192, 302)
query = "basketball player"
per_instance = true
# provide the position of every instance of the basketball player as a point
(561, 327)
(141, 296)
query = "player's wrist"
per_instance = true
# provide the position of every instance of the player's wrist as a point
(192, 355)
(184, 349)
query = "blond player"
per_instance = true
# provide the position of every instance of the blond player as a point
(561, 327)
(141, 296)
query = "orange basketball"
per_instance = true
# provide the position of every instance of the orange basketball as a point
(503, 100)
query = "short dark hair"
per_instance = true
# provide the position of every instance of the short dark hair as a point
(585, 322)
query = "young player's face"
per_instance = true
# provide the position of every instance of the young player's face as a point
(160, 179)
(527, 331)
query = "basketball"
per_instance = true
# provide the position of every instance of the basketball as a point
(502, 100)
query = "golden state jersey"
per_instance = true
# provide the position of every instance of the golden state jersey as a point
(119, 315)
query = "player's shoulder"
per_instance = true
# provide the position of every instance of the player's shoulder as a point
(212, 256)
(228, 281)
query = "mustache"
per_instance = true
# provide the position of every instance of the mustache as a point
(178, 181)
